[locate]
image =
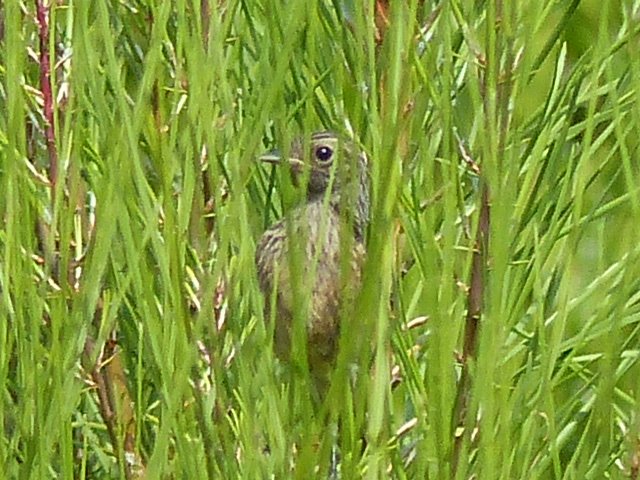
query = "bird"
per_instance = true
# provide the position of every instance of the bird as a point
(332, 217)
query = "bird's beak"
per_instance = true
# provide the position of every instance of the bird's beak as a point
(275, 157)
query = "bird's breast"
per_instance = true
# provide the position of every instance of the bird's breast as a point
(300, 257)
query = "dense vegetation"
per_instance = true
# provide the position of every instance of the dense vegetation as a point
(497, 331)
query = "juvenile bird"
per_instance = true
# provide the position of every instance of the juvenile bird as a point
(334, 216)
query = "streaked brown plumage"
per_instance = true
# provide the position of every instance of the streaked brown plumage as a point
(321, 221)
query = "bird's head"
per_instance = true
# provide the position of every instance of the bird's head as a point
(326, 161)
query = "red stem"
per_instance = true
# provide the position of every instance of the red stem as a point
(42, 15)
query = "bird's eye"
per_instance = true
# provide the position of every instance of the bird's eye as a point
(323, 154)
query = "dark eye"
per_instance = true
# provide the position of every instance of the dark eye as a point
(323, 153)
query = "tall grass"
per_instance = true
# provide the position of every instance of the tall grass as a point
(503, 256)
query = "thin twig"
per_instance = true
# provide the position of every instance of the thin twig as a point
(42, 15)
(474, 311)
(116, 406)
(205, 15)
